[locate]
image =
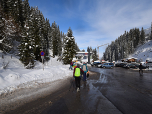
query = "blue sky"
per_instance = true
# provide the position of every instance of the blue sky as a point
(96, 22)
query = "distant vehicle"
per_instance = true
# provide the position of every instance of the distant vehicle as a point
(149, 64)
(107, 65)
(117, 64)
(130, 65)
(134, 65)
(99, 65)
(120, 64)
(95, 63)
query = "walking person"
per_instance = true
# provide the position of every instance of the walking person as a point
(85, 69)
(77, 75)
(140, 69)
(71, 64)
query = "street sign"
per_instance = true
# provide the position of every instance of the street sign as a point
(42, 53)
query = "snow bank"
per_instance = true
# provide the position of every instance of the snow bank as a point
(15, 76)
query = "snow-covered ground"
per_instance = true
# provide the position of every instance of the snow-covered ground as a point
(34, 82)
(15, 76)
(143, 52)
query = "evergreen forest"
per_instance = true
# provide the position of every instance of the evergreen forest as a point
(125, 44)
(25, 32)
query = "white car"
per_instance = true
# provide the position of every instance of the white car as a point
(99, 65)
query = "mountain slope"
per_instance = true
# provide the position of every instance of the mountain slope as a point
(143, 52)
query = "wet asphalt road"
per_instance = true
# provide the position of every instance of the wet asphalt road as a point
(109, 91)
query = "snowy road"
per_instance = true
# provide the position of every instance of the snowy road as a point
(112, 91)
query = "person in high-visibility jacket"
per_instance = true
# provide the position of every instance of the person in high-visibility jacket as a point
(77, 75)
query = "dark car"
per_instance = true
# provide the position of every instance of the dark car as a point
(117, 64)
(135, 65)
(120, 64)
(130, 65)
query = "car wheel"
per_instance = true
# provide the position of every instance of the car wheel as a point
(111, 67)
(104, 67)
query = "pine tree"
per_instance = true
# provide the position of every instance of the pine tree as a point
(83, 50)
(69, 49)
(94, 55)
(142, 36)
(77, 48)
(26, 47)
(136, 37)
(1, 27)
(54, 39)
(10, 30)
(59, 41)
(26, 10)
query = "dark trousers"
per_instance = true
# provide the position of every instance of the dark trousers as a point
(140, 71)
(84, 76)
(77, 82)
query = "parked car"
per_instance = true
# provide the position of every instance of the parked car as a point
(99, 65)
(107, 65)
(130, 65)
(117, 64)
(149, 64)
(120, 64)
(95, 63)
(134, 65)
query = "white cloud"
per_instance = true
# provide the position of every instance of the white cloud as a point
(108, 20)
(115, 19)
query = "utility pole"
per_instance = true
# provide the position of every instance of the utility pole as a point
(100, 46)
(88, 55)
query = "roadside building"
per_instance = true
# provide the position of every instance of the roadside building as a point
(130, 60)
(82, 55)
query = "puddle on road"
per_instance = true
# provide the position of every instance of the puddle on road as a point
(102, 79)
(90, 99)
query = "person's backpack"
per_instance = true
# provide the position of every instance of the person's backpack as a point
(84, 68)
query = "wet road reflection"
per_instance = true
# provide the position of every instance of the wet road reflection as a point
(126, 89)
(106, 91)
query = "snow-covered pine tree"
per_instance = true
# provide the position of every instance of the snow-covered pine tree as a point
(2, 20)
(63, 42)
(23, 48)
(54, 39)
(59, 41)
(26, 47)
(10, 30)
(26, 9)
(36, 41)
(69, 49)
(47, 37)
